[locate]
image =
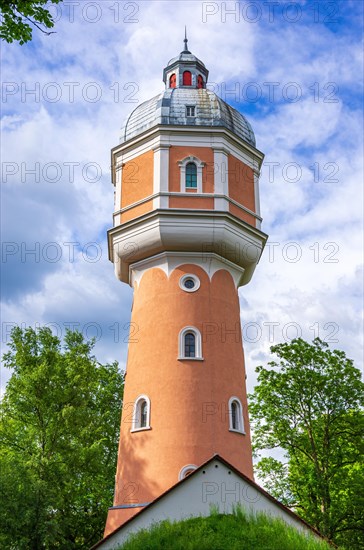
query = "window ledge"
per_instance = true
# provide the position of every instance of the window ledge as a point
(140, 429)
(190, 358)
(237, 431)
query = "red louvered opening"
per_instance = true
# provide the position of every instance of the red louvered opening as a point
(187, 78)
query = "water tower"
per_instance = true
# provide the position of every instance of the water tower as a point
(186, 236)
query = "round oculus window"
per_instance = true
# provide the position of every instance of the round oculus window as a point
(189, 283)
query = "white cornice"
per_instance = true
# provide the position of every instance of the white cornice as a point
(190, 231)
(167, 135)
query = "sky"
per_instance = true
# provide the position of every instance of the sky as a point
(294, 69)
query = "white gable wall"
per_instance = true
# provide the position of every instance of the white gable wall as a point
(213, 485)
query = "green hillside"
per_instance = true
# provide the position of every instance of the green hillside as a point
(224, 532)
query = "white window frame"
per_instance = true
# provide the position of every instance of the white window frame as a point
(194, 111)
(240, 428)
(185, 469)
(182, 164)
(136, 412)
(187, 276)
(198, 344)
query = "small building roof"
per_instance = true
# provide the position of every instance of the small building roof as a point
(215, 482)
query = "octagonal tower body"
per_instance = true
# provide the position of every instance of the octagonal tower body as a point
(186, 235)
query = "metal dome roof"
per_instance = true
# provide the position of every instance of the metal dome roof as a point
(185, 56)
(169, 108)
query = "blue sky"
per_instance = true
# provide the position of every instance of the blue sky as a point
(293, 68)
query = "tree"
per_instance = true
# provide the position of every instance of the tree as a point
(309, 404)
(17, 14)
(59, 426)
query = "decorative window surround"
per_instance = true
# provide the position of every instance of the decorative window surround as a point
(137, 420)
(239, 419)
(198, 345)
(194, 278)
(186, 470)
(199, 164)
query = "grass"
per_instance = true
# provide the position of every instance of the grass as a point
(237, 531)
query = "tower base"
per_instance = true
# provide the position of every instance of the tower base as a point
(118, 515)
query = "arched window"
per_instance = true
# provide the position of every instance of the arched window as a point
(236, 420)
(199, 81)
(172, 80)
(234, 415)
(141, 414)
(190, 344)
(186, 471)
(191, 176)
(187, 78)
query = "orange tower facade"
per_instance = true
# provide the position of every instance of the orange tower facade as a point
(186, 236)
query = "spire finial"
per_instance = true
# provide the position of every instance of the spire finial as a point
(185, 41)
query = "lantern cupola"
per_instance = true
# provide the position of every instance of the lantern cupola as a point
(185, 70)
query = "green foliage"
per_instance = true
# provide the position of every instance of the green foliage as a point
(310, 405)
(224, 532)
(58, 442)
(17, 14)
